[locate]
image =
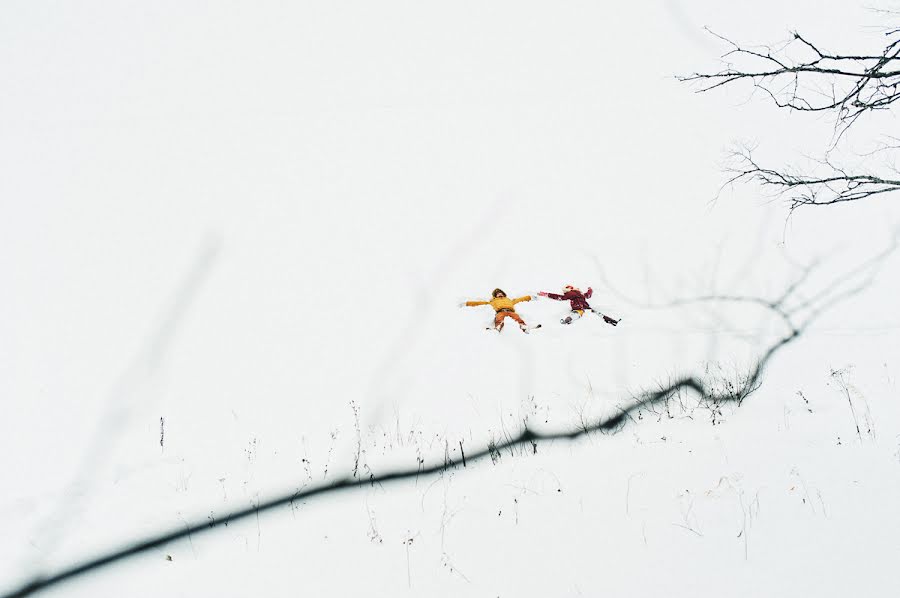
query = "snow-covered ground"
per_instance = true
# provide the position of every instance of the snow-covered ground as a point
(233, 247)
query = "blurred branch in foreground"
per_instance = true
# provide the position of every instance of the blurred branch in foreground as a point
(797, 306)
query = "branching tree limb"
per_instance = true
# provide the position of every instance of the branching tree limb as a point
(844, 83)
(800, 75)
(834, 185)
(795, 308)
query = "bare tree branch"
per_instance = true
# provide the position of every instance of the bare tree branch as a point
(847, 84)
(800, 75)
(835, 186)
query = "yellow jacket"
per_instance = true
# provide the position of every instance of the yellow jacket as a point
(500, 303)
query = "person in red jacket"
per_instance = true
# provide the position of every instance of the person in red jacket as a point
(578, 302)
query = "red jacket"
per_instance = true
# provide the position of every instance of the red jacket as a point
(577, 300)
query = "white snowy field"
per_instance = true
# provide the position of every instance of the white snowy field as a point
(234, 241)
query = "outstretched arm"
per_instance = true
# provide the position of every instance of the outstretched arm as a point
(520, 299)
(551, 296)
(590, 292)
(476, 303)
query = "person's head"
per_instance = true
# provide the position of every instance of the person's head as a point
(569, 287)
(498, 293)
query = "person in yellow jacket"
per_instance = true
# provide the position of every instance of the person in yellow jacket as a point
(504, 308)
